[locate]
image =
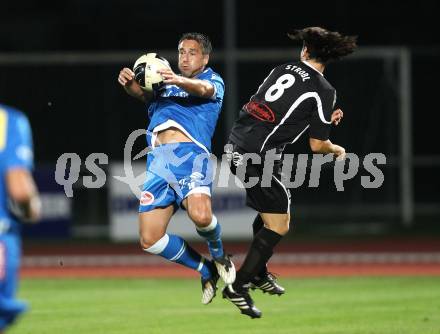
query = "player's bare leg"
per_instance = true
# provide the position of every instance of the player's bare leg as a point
(153, 225)
(199, 210)
(154, 239)
(277, 222)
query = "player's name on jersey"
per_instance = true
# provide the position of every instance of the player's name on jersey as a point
(304, 74)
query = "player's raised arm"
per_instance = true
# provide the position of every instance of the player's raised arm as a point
(196, 87)
(320, 124)
(319, 143)
(326, 146)
(127, 81)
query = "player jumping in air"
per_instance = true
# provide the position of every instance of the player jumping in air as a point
(294, 99)
(183, 116)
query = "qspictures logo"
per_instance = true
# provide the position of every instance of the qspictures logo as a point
(294, 169)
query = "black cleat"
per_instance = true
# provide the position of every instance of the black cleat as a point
(209, 286)
(267, 283)
(242, 300)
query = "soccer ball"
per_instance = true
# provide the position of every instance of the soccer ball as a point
(145, 71)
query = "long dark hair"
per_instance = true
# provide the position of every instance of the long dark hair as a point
(324, 45)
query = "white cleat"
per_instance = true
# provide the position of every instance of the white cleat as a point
(209, 288)
(208, 293)
(225, 268)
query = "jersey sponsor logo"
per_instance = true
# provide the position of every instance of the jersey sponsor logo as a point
(260, 111)
(173, 91)
(147, 198)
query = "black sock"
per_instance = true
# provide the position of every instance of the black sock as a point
(259, 253)
(257, 225)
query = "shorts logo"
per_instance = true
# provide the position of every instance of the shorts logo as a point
(147, 198)
(192, 181)
(260, 111)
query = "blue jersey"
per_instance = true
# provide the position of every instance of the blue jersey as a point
(15, 152)
(194, 116)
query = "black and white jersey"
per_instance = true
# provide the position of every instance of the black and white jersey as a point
(292, 99)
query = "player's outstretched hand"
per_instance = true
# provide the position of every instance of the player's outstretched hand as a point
(169, 77)
(126, 77)
(126, 80)
(337, 116)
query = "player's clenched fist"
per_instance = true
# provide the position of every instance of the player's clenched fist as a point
(126, 76)
(169, 77)
(337, 116)
(126, 80)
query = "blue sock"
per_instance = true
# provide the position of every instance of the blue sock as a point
(175, 249)
(212, 235)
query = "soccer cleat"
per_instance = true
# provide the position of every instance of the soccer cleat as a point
(225, 268)
(267, 283)
(242, 300)
(209, 287)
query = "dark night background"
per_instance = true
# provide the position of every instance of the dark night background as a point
(82, 109)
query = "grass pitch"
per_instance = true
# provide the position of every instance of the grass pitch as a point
(385, 305)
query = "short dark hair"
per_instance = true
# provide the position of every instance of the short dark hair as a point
(203, 40)
(324, 45)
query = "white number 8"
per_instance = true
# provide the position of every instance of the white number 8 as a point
(277, 89)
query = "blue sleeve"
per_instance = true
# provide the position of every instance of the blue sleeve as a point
(19, 150)
(219, 86)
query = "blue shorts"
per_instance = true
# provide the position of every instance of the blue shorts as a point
(10, 253)
(175, 171)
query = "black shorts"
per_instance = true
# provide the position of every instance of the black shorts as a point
(274, 198)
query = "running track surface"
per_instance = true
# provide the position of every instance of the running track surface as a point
(403, 256)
